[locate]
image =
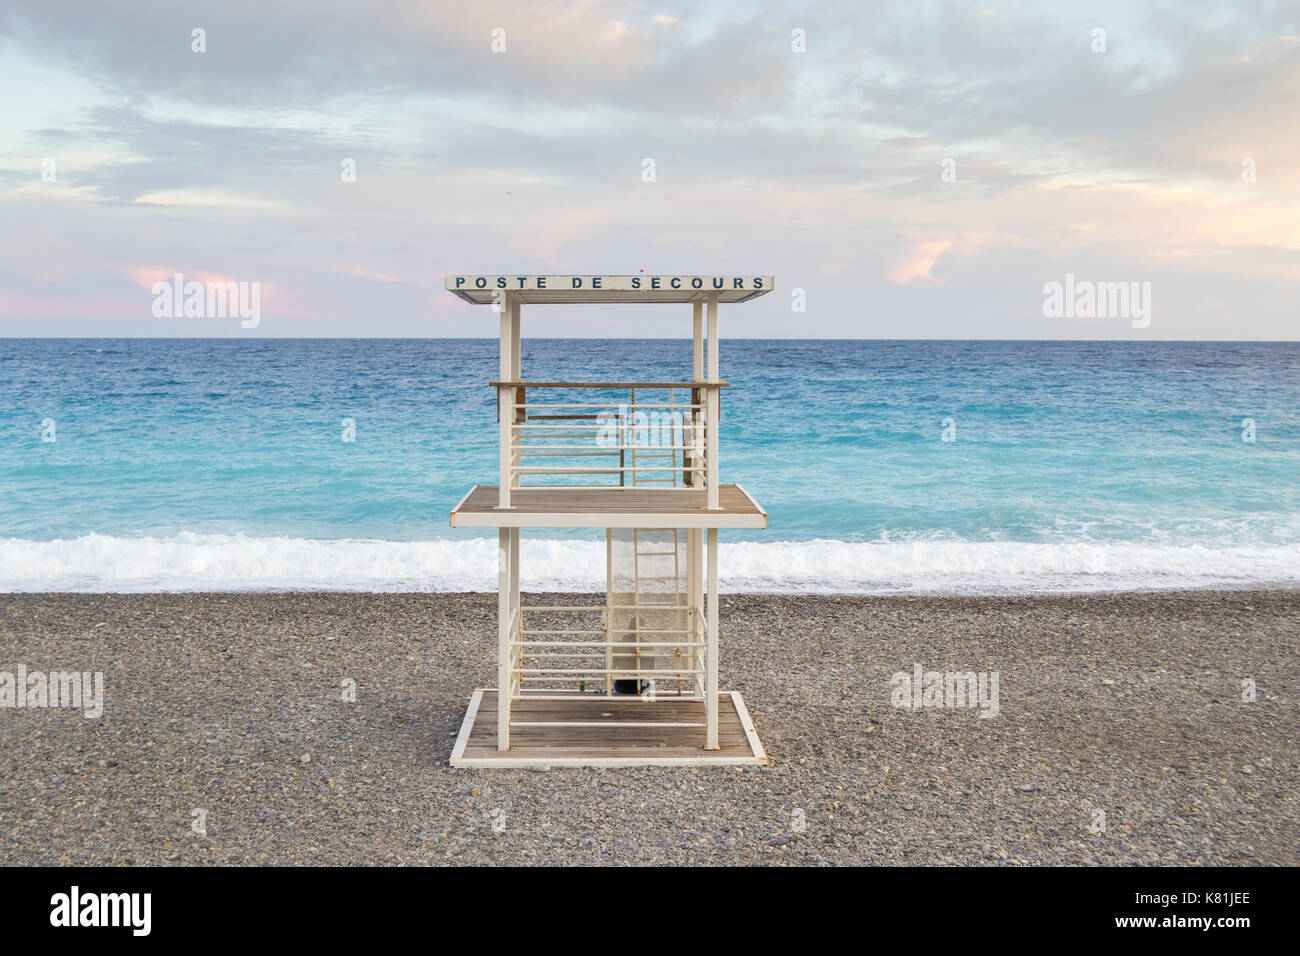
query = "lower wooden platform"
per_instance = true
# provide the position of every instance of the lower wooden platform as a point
(610, 733)
(598, 506)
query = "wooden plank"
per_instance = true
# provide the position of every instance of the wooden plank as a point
(611, 710)
(637, 733)
(466, 726)
(505, 619)
(751, 732)
(757, 507)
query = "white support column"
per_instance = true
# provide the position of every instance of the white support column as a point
(715, 407)
(711, 448)
(692, 596)
(505, 409)
(713, 338)
(504, 614)
(711, 666)
(609, 610)
(506, 400)
(697, 309)
(695, 579)
(697, 415)
(516, 353)
(514, 575)
(516, 369)
(690, 591)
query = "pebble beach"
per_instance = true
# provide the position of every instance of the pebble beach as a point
(1132, 728)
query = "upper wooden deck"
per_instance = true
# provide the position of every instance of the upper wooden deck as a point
(608, 507)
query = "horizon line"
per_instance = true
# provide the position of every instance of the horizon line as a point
(631, 338)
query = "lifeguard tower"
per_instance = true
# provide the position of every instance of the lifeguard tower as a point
(632, 680)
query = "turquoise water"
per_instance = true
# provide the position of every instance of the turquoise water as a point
(1074, 465)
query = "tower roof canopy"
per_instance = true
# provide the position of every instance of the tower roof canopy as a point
(483, 290)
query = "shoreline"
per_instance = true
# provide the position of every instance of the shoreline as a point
(1262, 588)
(1128, 703)
(1252, 588)
(192, 562)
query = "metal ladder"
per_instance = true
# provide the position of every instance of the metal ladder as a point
(669, 604)
(663, 602)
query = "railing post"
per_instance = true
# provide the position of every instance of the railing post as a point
(631, 410)
(711, 423)
(516, 348)
(711, 665)
(504, 613)
(713, 338)
(609, 610)
(697, 317)
(695, 441)
(506, 412)
(697, 375)
(694, 600)
(520, 412)
(505, 400)
(711, 452)
(516, 626)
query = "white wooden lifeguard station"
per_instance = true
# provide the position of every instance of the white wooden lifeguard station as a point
(631, 680)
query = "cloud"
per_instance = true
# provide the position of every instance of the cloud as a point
(915, 262)
(822, 167)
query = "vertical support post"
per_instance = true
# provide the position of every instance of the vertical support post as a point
(694, 600)
(508, 538)
(516, 354)
(515, 613)
(711, 665)
(506, 400)
(697, 310)
(697, 415)
(690, 583)
(711, 447)
(609, 611)
(713, 338)
(711, 425)
(518, 395)
(504, 614)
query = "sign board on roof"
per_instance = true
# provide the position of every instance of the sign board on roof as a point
(609, 288)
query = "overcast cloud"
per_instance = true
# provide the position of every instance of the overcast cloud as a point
(821, 167)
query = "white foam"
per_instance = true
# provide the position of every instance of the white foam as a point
(211, 562)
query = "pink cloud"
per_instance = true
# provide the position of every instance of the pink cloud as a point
(915, 262)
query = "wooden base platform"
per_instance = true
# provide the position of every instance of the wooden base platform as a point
(617, 733)
(607, 507)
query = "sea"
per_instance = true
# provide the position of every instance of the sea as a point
(885, 467)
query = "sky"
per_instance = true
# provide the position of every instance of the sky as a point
(904, 170)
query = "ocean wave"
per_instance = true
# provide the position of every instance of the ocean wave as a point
(218, 562)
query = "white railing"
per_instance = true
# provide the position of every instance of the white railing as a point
(626, 434)
(571, 653)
